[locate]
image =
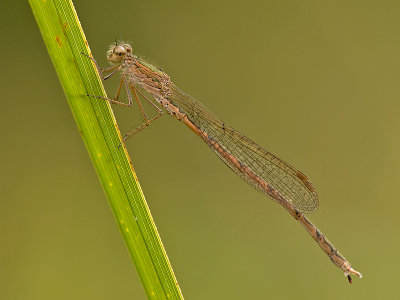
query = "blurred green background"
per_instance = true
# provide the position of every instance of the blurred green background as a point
(315, 82)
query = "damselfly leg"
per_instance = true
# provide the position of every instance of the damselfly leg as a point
(135, 91)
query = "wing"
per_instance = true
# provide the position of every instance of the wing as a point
(292, 184)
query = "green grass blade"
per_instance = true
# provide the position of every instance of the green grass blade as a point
(65, 40)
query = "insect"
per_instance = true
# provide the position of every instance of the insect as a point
(262, 170)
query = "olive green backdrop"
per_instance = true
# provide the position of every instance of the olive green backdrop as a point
(315, 82)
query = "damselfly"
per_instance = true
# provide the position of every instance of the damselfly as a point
(259, 168)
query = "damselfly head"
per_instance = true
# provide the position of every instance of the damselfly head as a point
(118, 52)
